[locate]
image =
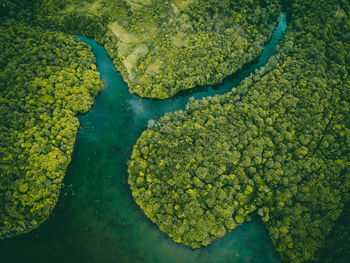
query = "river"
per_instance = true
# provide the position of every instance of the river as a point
(96, 219)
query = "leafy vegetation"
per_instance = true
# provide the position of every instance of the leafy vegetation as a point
(163, 47)
(11, 7)
(337, 243)
(278, 145)
(46, 78)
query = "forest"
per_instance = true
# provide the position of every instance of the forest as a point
(277, 145)
(48, 76)
(163, 47)
(46, 79)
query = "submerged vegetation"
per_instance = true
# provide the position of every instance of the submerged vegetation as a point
(46, 78)
(163, 47)
(278, 144)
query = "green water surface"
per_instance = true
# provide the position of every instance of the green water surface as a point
(96, 219)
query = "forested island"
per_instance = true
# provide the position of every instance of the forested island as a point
(276, 147)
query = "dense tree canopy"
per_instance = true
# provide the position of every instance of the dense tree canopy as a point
(336, 247)
(278, 144)
(163, 47)
(46, 78)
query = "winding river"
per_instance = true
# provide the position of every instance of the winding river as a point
(96, 219)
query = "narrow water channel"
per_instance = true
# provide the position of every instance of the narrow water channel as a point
(96, 219)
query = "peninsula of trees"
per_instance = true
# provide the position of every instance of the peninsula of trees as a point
(46, 79)
(163, 47)
(278, 144)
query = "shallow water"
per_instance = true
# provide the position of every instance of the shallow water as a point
(96, 219)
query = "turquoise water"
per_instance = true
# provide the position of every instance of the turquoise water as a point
(96, 219)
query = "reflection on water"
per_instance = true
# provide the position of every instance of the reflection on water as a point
(96, 219)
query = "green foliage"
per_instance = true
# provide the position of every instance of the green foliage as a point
(163, 47)
(11, 6)
(279, 144)
(46, 78)
(337, 243)
(17, 8)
